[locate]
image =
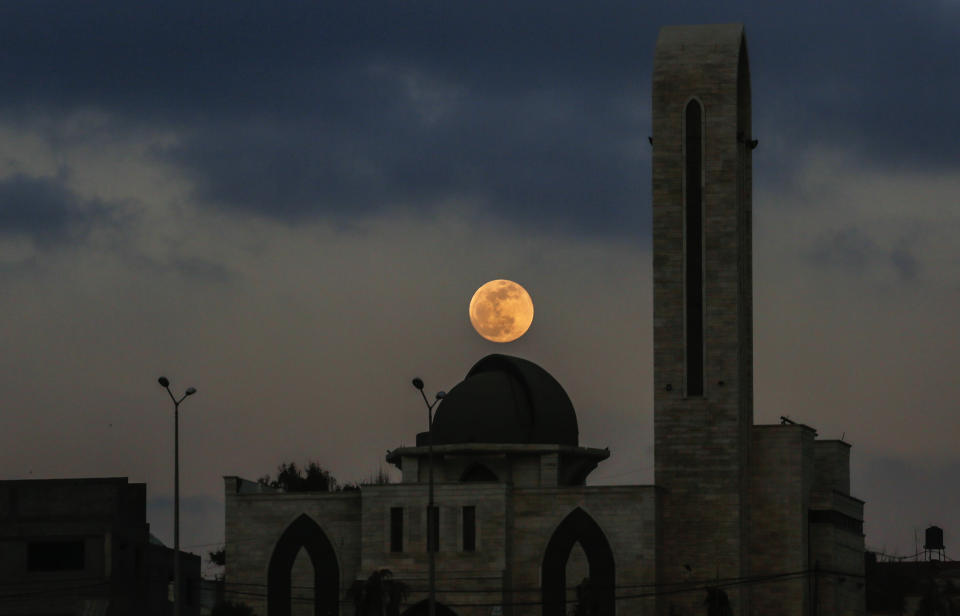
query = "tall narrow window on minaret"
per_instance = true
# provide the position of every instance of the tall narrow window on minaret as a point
(693, 239)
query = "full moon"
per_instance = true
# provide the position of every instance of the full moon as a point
(501, 311)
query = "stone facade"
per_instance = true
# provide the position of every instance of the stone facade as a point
(256, 519)
(515, 523)
(702, 431)
(806, 530)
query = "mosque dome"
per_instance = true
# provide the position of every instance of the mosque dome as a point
(508, 400)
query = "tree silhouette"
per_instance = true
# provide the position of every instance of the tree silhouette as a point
(314, 478)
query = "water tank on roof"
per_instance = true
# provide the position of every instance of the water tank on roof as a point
(934, 539)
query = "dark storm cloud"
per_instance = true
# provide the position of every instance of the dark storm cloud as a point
(870, 77)
(277, 58)
(535, 111)
(517, 162)
(44, 210)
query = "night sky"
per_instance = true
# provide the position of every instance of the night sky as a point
(290, 207)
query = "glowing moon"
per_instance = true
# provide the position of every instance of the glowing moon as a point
(501, 311)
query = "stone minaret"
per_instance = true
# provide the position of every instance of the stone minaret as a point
(703, 342)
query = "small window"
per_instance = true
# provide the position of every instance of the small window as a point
(433, 529)
(396, 529)
(469, 529)
(55, 555)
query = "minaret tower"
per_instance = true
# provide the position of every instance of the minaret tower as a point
(703, 341)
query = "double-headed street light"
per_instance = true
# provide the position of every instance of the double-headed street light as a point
(165, 383)
(432, 546)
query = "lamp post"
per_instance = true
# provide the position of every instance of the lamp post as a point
(431, 546)
(165, 383)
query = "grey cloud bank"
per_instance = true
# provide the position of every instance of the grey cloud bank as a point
(534, 111)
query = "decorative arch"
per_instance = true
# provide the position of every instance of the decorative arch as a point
(423, 608)
(307, 534)
(478, 472)
(578, 526)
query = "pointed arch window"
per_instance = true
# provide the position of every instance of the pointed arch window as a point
(478, 472)
(693, 246)
(303, 533)
(578, 527)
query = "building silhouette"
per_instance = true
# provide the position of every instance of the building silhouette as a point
(742, 519)
(83, 546)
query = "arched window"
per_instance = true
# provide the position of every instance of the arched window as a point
(693, 245)
(478, 472)
(578, 527)
(303, 533)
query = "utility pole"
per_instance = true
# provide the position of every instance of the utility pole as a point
(432, 546)
(165, 383)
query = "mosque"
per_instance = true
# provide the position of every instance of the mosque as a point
(742, 519)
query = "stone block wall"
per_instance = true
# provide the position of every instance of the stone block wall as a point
(628, 517)
(462, 577)
(838, 554)
(832, 466)
(836, 533)
(256, 518)
(803, 519)
(782, 471)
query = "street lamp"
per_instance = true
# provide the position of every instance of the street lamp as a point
(431, 546)
(165, 383)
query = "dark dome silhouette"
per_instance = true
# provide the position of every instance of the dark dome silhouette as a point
(505, 399)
